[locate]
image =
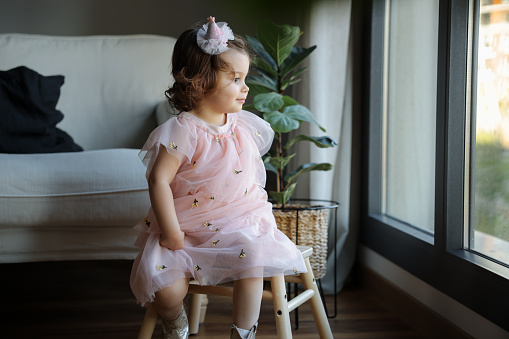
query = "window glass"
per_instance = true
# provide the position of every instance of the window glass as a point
(410, 112)
(490, 232)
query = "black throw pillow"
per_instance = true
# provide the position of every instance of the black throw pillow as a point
(28, 116)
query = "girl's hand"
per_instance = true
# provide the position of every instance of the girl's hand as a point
(173, 242)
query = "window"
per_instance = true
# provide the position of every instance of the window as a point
(409, 112)
(489, 224)
(426, 160)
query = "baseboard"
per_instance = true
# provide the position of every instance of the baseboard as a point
(413, 312)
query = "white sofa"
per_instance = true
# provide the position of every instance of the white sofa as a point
(83, 205)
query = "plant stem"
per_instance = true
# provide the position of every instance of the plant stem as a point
(279, 80)
(279, 170)
(279, 147)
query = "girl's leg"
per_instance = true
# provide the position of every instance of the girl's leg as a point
(169, 300)
(247, 299)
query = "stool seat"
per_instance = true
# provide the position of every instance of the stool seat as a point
(282, 306)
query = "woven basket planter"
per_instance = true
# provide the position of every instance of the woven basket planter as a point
(310, 229)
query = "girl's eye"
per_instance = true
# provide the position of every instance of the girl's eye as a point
(236, 80)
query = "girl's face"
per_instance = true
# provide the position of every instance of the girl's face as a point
(231, 90)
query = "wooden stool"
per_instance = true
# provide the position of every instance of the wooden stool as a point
(282, 306)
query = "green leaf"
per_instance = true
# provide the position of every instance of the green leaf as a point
(301, 113)
(322, 142)
(268, 102)
(255, 89)
(260, 80)
(297, 55)
(292, 80)
(261, 65)
(248, 107)
(288, 83)
(281, 162)
(298, 72)
(307, 168)
(281, 122)
(289, 101)
(283, 197)
(268, 166)
(278, 197)
(277, 40)
(261, 53)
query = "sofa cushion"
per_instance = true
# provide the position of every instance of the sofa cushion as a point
(90, 189)
(112, 83)
(55, 243)
(28, 114)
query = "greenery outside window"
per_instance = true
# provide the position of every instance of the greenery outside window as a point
(489, 223)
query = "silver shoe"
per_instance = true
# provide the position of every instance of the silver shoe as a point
(234, 333)
(178, 328)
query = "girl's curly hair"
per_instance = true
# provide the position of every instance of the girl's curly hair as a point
(194, 71)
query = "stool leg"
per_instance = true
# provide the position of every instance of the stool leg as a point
(194, 312)
(322, 323)
(284, 328)
(204, 305)
(149, 323)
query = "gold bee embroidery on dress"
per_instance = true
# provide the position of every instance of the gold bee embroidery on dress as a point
(258, 134)
(211, 197)
(217, 229)
(242, 254)
(233, 133)
(197, 137)
(173, 146)
(217, 139)
(146, 222)
(236, 172)
(295, 270)
(194, 164)
(207, 224)
(197, 268)
(214, 243)
(245, 193)
(160, 267)
(195, 203)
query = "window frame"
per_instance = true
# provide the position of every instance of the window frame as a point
(440, 260)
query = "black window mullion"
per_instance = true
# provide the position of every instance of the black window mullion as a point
(473, 119)
(441, 119)
(456, 114)
(376, 107)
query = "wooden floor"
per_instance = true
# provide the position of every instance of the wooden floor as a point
(93, 300)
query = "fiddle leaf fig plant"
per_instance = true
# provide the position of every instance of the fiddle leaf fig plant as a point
(276, 65)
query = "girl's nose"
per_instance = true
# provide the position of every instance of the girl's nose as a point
(245, 88)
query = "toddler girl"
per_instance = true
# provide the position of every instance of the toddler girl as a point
(209, 218)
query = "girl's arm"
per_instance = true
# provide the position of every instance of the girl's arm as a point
(161, 198)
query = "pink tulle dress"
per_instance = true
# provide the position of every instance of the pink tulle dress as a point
(230, 231)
